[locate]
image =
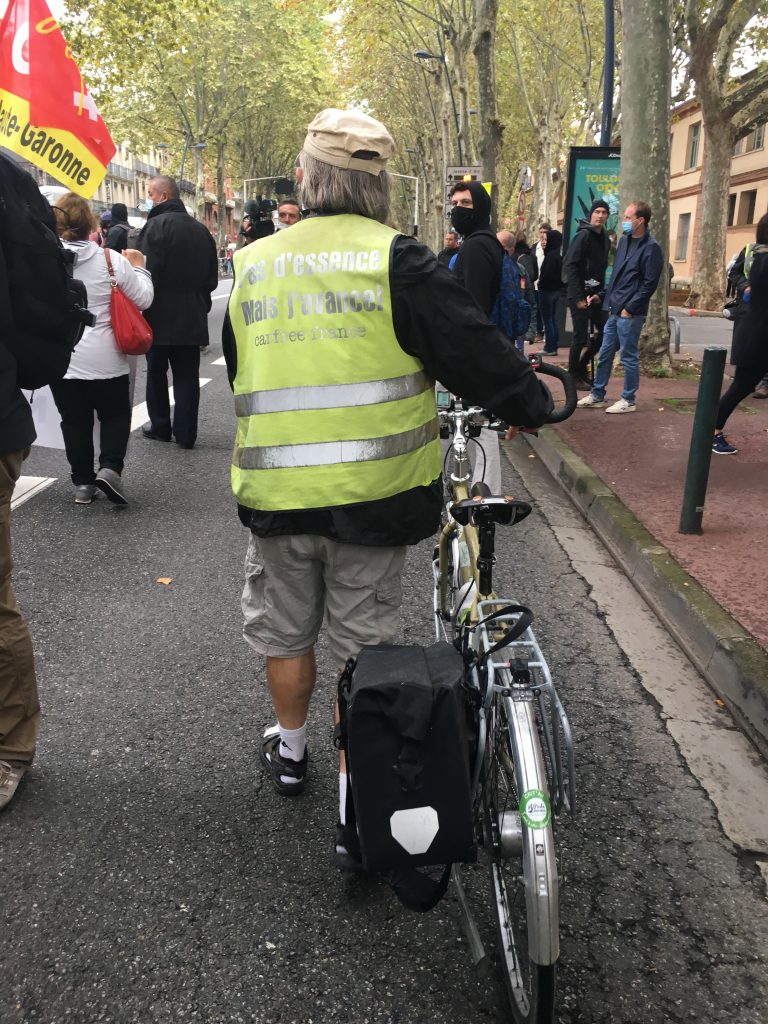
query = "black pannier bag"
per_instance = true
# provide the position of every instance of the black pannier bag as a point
(405, 731)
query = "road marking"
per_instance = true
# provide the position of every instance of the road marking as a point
(140, 416)
(219, 362)
(28, 486)
(215, 298)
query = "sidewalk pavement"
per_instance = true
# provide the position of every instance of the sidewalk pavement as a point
(626, 474)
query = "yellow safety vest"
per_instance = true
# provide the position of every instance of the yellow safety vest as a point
(331, 411)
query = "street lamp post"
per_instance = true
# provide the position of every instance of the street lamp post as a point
(425, 55)
(608, 70)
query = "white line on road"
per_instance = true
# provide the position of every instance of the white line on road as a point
(219, 362)
(28, 486)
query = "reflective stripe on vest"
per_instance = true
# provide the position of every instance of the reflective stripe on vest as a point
(324, 453)
(331, 410)
(330, 396)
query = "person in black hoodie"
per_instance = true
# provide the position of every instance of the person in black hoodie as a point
(587, 260)
(550, 287)
(478, 269)
(181, 257)
(117, 238)
(19, 703)
(478, 265)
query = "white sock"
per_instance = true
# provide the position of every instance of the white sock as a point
(293, 742)
(343, 798)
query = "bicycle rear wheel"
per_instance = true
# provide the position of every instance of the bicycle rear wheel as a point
(530, 986)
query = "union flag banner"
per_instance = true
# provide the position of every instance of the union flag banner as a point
(47, 114)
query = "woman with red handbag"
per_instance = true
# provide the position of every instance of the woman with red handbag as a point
(97, 378)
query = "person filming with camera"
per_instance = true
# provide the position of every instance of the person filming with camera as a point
(257, 219)
(584, 270)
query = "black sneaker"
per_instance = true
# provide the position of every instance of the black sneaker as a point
(346, 855)
(722, 446)
(278, 766)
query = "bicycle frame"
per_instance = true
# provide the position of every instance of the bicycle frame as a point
(534, 714)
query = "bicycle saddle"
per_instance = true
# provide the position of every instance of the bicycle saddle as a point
(505, 511)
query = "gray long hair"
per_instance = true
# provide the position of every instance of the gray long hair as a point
(326, 188)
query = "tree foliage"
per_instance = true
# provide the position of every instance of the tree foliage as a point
(243, 76)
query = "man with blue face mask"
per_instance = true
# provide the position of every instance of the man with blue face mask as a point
(636, 272)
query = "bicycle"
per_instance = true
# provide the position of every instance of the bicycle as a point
(523, 760)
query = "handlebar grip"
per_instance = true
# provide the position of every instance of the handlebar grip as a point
(569, 386)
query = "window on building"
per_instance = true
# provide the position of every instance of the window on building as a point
(738, 146)
(694, 145)
(683, 231)
(731, 208)
(755, 139)
(747, 208)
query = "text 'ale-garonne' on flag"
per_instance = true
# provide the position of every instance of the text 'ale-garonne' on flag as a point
(47, 114)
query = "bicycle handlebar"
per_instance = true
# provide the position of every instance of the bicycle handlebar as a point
(569, 386)
(476, 416)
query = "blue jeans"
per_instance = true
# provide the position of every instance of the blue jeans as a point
(548, 307)
(622, 333)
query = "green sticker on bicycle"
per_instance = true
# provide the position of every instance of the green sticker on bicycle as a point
(535, 809)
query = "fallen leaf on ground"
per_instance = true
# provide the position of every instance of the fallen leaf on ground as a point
(165, 580)
(720, 703)
(531, 456)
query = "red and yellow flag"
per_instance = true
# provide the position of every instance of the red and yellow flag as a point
(47, 114)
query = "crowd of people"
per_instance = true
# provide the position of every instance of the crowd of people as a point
(331, 495)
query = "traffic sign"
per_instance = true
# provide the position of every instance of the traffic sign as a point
(472, 172)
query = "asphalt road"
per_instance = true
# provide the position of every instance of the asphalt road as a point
(151, 875)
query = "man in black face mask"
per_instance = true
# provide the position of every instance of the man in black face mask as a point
(478, 268)
(478, 265)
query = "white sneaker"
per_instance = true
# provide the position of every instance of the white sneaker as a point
(622, 406)
(590, 402)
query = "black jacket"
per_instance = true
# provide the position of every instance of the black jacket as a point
(586, 259)
(445, 256)
(525, 258)
(550, 275)
(478, 267)
(749, 349)
(436, 321)
(181, 257)
(117, 237)
(17, 431)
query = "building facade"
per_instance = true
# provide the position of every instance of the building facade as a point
(747, 194)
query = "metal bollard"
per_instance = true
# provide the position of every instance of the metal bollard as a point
(676, 331)
(700, 454)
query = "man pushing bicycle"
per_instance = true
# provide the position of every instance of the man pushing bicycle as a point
(334, 336)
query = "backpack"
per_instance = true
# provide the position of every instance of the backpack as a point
(404, 726)
(511, 311)
(133, 238)
(49, 306)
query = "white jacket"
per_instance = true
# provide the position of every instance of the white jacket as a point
(96, 356)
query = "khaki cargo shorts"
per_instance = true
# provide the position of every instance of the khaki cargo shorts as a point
(295, 584)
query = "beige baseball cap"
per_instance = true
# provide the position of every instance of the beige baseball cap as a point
(349, 139)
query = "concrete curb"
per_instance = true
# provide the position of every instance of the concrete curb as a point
(730, 659)
(685, 311)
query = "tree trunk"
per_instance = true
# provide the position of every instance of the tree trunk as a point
(221, 193)
(708, 284)
(646, 83)
(491, 128)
